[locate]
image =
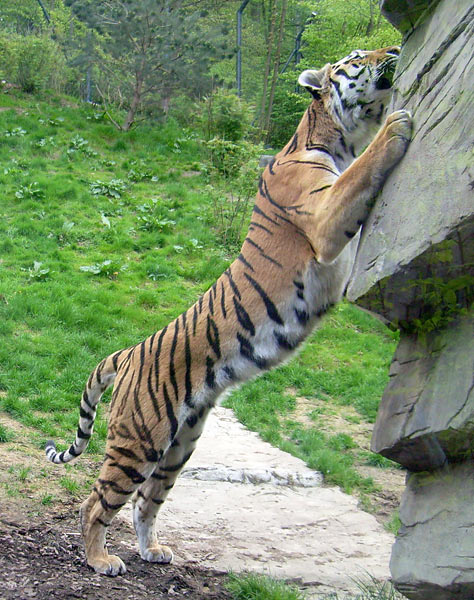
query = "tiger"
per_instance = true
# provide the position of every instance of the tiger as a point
(312, 200)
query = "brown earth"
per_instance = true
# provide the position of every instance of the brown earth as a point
(41, 557)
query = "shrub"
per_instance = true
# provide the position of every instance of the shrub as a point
(287, 111)
(224, 115)
(34, 62)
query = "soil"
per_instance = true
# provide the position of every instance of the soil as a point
(41, 557)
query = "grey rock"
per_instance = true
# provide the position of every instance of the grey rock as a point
(265, 160)
(415, 267)
(433, 555)
(255, 476)
(406, 14)
(426, 416)
(428, 199)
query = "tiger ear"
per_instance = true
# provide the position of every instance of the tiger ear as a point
(314, 81)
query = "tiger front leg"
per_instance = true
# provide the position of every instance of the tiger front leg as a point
(345, 206)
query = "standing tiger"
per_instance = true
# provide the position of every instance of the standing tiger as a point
(294, 264)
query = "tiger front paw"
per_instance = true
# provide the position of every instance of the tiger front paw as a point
(397, 133)
(157, 554)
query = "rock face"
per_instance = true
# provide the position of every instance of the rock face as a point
(433, 556)
(426, 418)
(415, 267)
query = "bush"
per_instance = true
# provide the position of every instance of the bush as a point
(225, 115)
(228, 157)
(288, 108)
(230, 209)
(34, 62)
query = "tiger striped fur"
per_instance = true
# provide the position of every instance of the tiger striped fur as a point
(294, 264)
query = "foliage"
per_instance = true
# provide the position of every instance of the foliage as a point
(238, 162)
(150, 50)
(340, 26)
(252, 586)
(288, 109)
(33, 62)
(6, 434)
(226, 116)
(112, 189)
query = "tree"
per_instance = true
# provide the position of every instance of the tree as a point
(340, 26)
(151, 49)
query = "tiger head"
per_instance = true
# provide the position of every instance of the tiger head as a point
(355, 89)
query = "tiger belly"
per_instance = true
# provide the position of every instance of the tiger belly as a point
(317, 289)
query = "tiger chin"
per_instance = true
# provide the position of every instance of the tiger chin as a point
(294, 264)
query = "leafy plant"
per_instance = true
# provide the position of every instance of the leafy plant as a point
(31, 190)
(38, 273)
(79, 144)
(154, 217)
(112, 189)
(44, 142)
(15, 132)
(52, 122)
(106, 268)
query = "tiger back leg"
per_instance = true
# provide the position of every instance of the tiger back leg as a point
(152, 493)
(115, 485)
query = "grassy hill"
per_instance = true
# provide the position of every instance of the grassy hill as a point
(107, 236)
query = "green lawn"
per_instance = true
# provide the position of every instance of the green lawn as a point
(107, 236)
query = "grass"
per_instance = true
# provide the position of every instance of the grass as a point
(250, 586)
(103, 241)
(259, 587)
(6, 434)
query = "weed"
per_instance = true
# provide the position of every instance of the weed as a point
(31, 190)
(69, 485)
(15, 132)
(394, 523)
(377, 460)
(21, 473)
(79, 145)
(47, 499)
(260, 587)
(6, 434)
(38, 273)
(106, 268)
(112, 189)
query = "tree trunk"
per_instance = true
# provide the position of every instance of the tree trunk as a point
(276, 65)
(271, 34)
(135, 103)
